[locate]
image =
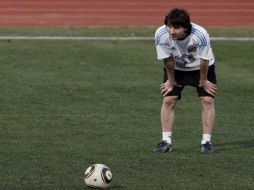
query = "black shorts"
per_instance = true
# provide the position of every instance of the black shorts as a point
(190, 78)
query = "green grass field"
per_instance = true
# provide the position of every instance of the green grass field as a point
(68, 104)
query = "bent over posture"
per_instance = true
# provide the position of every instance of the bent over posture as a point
(188, 59)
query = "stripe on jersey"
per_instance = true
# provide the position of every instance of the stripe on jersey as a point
(200, 35)
(160, 33)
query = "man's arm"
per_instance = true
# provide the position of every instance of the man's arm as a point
(166, 87)
(169, 64)
(204, 82)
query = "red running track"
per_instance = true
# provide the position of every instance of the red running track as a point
(227, 13)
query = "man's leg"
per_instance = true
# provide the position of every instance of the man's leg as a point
(167, 120)
(168, 113)
(208, 117)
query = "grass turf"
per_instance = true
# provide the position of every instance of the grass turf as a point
(68, 104)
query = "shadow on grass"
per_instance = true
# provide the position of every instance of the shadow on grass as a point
(234, 145)
(111, 187)
(218, 148)
(117, 187)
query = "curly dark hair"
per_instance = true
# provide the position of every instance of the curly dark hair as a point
(178, 17)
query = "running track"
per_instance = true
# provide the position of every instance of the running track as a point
(26, 13)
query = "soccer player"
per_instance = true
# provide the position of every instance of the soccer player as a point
(188, 59)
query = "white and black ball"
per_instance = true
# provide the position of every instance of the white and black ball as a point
(98, 176)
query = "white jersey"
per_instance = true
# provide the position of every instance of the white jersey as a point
(187, 52)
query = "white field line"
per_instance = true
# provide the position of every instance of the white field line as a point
(113, 38)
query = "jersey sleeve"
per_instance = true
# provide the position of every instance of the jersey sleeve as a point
(161, 43)
(204, 49)
(162, 52)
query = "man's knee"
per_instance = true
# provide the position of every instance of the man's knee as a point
(207, 101)
(170, 101)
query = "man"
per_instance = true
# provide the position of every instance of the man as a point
(188, 59)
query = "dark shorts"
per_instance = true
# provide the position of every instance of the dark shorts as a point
(190, 78)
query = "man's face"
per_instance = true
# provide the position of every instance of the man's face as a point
(177, 32)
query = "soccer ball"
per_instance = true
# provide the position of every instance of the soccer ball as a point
(98, 176)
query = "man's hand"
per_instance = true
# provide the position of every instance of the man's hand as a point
(168, 86)
(208, 87)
